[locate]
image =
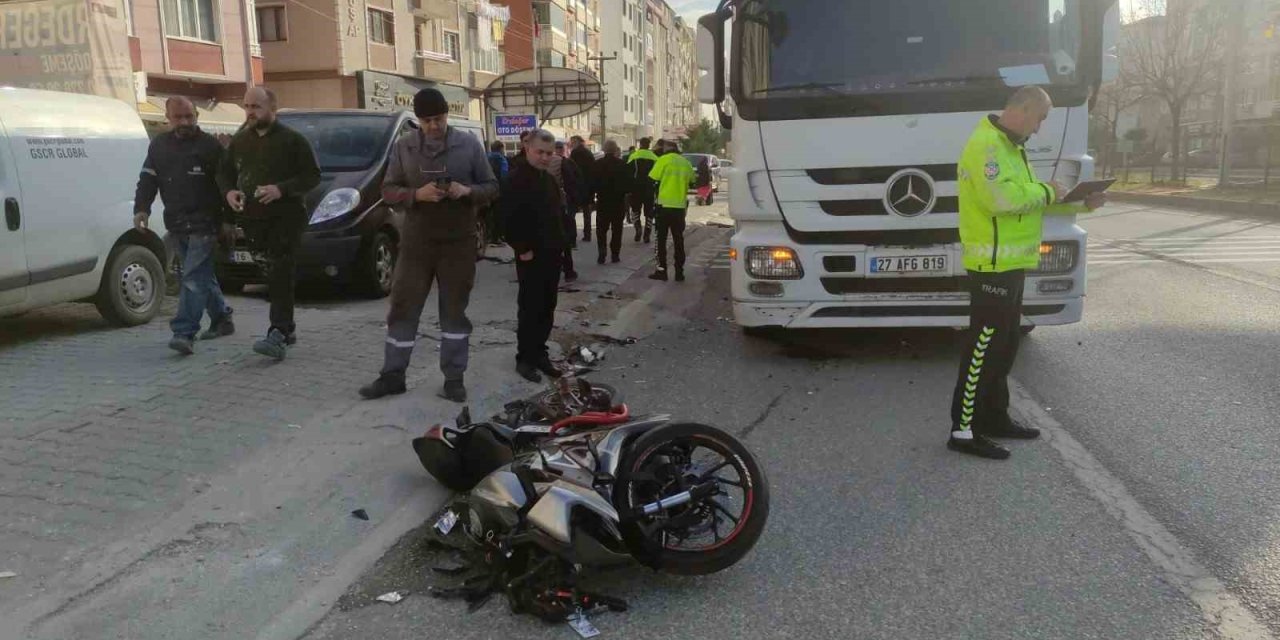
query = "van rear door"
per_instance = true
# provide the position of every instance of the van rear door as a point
(13, 252)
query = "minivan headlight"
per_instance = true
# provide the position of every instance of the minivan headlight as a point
(338, 202)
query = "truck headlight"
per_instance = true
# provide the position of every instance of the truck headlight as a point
(338, 202)
(773, 263)
(1057, 257)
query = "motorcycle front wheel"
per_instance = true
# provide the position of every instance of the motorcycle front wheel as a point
(704, 535)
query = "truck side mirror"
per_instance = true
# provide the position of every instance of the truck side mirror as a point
(1111, 44)
(710, 47)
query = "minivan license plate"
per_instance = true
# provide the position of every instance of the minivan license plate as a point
(242, 257)
(908, 264)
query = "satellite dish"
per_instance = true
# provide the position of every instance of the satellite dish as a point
(550, 92)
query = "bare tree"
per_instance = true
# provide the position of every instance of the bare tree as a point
(1114, 98)
(1173, 50)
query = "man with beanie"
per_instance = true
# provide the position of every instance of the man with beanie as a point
(642, 189)
(440, 176)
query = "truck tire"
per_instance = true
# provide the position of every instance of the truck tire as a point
(132, 288)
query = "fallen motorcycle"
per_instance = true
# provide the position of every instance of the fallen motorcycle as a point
(569, 481)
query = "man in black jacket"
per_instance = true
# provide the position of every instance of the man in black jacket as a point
(585, 161)
(181, 166)
(266, 171)
(612, 184)
(532, 206)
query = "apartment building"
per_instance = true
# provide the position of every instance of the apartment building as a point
(567, 34)
(376, 54)
(622, 32)
(138, 51)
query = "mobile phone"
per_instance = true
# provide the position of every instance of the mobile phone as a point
(442, 183)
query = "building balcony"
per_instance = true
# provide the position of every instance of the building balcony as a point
(434, 9)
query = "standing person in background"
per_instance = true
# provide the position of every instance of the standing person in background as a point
(703, 181)
(585, 161)
(532, 212)
(498, 163)
(642, 189)
(181, 166)
(673, 173)
(566, 175)
(441, 175)
(266, 171)
(612, 185)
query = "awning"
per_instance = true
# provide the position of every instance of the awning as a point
(220, 117)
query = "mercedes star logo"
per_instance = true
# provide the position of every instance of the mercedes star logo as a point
(910, 193)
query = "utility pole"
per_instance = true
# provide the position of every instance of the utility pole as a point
(604, 133)
(1235, 38)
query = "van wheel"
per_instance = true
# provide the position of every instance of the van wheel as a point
(378, 265)
(132, 287)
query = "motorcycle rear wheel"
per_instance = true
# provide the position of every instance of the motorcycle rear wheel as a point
(635, 486)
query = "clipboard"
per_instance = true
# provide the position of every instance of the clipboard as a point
(1087, 188)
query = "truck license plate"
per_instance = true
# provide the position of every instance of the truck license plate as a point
(908, 264)
(242, 257)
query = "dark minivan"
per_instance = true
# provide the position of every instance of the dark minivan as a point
(352, 235)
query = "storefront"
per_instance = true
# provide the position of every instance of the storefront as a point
(389, 92)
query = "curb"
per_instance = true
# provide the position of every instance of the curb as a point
(1252, 209)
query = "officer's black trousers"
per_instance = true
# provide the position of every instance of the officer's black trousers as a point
(981, 397)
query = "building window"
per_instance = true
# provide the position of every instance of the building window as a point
(382, 27)
(452, 45)
(190, 19)
(272, 26)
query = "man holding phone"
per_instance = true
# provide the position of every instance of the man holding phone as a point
(266, 171)
(1002, 206)
(441, 176)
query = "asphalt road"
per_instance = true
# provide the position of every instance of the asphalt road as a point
(1145, 512)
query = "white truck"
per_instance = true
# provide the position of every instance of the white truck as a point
(848, 117)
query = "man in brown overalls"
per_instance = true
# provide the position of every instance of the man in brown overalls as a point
(441, 176)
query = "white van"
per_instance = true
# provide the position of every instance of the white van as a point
(68, 167)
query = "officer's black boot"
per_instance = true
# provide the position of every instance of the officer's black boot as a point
(977, 445)
(454, 391)
(1008, 428)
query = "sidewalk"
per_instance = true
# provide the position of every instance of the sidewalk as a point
(149, 495)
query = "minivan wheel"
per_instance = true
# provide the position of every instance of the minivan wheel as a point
(132, 288)
(378, 265)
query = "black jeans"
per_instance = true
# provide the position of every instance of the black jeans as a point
(539, 283)
(671, 220)
(609, 220)
(274, 240)
(981, 396)
(570, 229)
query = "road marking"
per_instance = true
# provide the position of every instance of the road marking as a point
(1147, 259)
(1221, 609)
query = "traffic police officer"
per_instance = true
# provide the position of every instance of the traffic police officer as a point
(1002, 205)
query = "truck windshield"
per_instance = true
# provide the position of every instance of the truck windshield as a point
(343, 142)
(842, 48)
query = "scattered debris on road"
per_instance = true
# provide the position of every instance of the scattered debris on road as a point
(612, 340)
(361, 514)
(392, 597)
(445, 524)
(7, 574)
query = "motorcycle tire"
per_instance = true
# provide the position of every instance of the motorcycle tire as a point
(692, 562)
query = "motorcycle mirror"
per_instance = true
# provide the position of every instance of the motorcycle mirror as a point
(464, 418)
